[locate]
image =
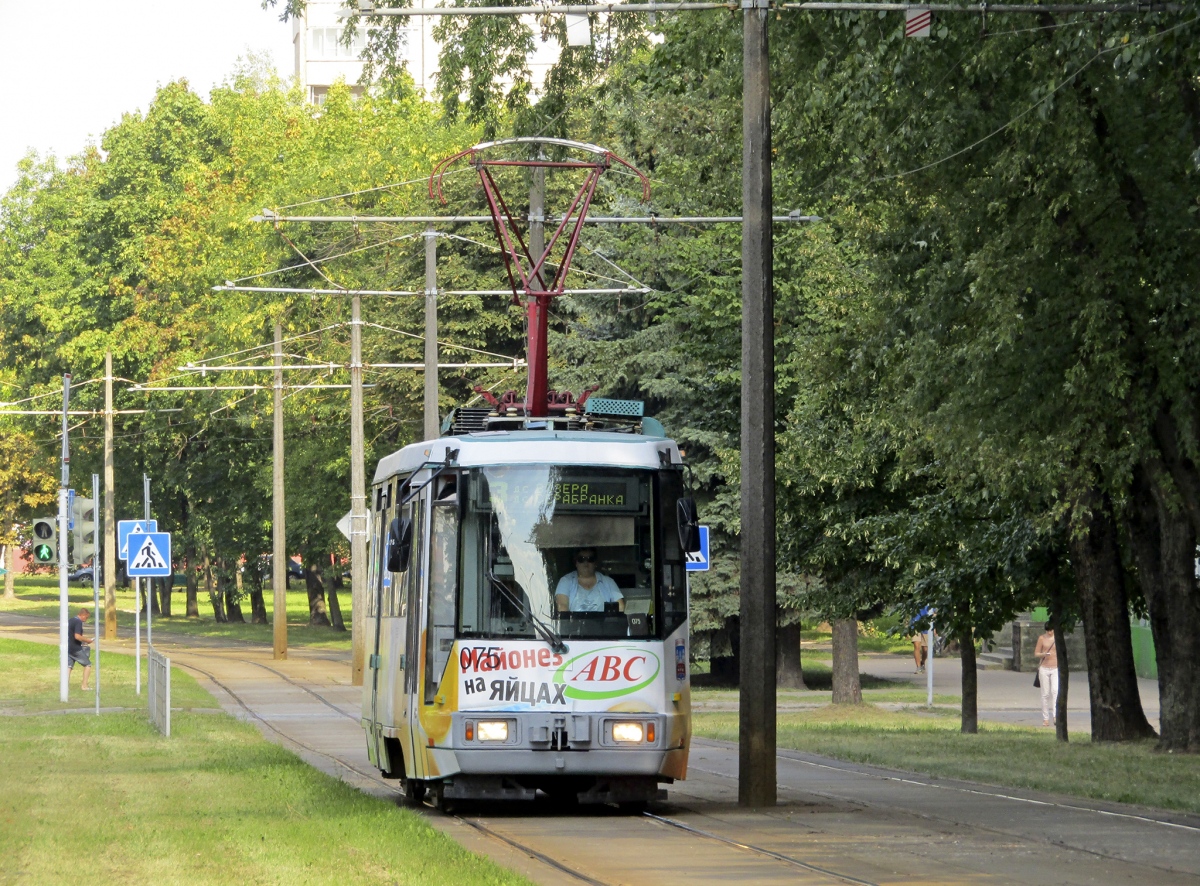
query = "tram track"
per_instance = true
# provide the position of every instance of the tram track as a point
(778, 856)
(477, 825)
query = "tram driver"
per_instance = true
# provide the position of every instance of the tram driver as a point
(586, 589)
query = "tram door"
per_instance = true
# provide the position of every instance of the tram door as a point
(414, 591)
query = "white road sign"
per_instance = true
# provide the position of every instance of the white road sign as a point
(343, 525)
(149, 554)
(918, 21)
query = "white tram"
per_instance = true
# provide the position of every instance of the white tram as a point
(483, 682)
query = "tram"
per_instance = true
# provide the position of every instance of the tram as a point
(483, 681)
(527, 586)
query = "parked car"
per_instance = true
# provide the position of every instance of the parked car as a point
(83, 575)
(294, 569)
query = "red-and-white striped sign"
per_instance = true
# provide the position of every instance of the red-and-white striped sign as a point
(917, 22)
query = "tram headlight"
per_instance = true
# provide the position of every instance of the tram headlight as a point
(631, 732)
(492, 730)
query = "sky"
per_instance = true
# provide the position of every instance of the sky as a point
(75, 66)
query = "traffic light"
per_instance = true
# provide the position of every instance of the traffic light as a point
(45, 541)
(83, 516)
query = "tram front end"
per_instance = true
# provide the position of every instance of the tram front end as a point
(531, 617)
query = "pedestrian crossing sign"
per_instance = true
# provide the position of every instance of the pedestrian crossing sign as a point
(697, 561)
(125, 528)
(149, 554)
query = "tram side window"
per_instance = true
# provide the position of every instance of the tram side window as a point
(375, 553)
(411, 588)
(378, 577)
(395, 595)
(443, 588)
(673, 578)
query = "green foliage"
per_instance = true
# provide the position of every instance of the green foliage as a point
(119, 251)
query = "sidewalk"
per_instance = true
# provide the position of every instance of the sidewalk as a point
(1004, 696)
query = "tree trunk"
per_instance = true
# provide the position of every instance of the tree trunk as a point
(168, 586)
(970, 672)
(214, 597)
(10, 574)
(1117, 713)
(150, 596)
(1163, 541)
(233, 594)
(847, 688)
(727, 669)
(258, 607)
(1057, 608)
(193, 605)
(335, 607)
(314, 581)
(789, 673)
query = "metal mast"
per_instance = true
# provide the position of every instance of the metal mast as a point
(527, 275)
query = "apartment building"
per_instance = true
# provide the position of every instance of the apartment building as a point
(322, 59)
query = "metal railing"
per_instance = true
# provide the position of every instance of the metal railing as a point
(160, 692)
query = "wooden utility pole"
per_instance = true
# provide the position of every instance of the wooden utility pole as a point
(432, 424)
(110, 562)
(279, 539)
(358, 501)
(756, 757)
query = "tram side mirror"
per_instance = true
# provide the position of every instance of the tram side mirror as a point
(399, 544)
(689, 525)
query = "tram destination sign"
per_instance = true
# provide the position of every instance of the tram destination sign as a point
(615, 494)
(588, 493)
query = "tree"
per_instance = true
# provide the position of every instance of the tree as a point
(25, 486)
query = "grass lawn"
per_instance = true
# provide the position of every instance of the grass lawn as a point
(999, 754)
(38, 595)
(873, 641)
(110, 800)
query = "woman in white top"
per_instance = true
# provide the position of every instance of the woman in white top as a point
(1047, 674)
(586, 589)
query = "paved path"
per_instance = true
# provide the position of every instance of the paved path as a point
(835, 822)
(1005, 696)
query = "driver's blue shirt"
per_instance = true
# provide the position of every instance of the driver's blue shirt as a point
(581, 599)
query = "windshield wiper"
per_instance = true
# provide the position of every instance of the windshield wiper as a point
(544, 631)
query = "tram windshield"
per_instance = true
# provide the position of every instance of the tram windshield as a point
(567, 551)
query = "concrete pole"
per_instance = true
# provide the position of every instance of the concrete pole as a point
(279, 541)
(358, 502)
(149, 585)
(756, 757)
(110, 510)
(96, 568)
(432, 422)
(63, 614)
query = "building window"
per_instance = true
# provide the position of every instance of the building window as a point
(326, 43)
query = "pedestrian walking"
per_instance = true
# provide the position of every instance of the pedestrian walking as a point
(1047, 657)
(918, 627)
(78, 649)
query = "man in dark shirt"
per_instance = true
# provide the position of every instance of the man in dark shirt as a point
(78, 649)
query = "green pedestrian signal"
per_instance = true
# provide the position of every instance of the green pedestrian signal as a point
(45, 541)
